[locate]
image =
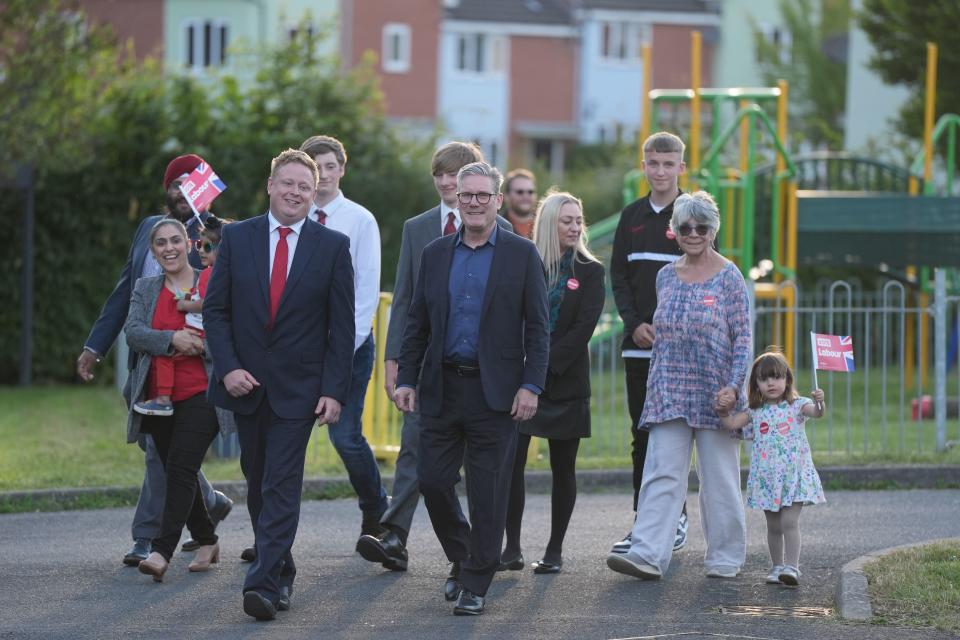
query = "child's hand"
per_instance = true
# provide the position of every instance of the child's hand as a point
(817, 396)
(182, 304)
(725, 400)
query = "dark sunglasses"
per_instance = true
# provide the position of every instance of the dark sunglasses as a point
(701, 229)
(206, 245)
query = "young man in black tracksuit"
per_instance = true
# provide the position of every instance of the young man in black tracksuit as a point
(643, 244)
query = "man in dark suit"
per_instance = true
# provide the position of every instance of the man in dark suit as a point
(389, 548)
(140, 262)
(476, 340)
(280, 327)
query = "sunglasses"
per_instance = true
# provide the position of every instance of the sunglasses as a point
(701, 229)
(206, 245)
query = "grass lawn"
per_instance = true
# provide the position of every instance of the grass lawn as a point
(917, 587)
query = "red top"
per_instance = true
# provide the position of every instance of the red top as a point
(189, 372)
(204, 281)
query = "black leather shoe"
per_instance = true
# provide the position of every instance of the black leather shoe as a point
(284, 603)
(257, 606)
(189, 545)
(468, 604)
(139, 552)
(249, 554)
(513, 564)
(387, 549)
(221, 508)
(542, 566)
(452, 588)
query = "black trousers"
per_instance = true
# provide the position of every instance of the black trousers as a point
(563, 468)
(467, 431)
(182, 440)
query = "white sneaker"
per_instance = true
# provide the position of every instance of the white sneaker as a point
(623, 545)
(622, 563)
(680, 540)
(774, 576)
(790, 575)
(723, 572)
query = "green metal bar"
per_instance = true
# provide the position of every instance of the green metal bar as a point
(749, 184)
(951, 156)
(749, 111)
(714, 132)
(943, 125)
(775, 221)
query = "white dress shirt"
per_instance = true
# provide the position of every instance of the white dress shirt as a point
(444, 210)
(275, 238)
(358, 224)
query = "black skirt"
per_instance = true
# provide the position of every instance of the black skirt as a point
(559, 420)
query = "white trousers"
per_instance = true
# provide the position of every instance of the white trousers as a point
(664, 489)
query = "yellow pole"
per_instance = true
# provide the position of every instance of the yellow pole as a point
(929, 109)
(790, 260)
(695, 42)
(781, 165)
(644, 113)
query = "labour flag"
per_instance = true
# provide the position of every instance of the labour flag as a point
(201, 187)
(832, 353)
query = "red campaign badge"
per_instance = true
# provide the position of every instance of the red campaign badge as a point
(670, 234)
(709, 300)
(783, 428)
(764, 428)
(573, 284)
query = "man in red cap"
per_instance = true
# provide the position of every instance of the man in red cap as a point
(141, 263)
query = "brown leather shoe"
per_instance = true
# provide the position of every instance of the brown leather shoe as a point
(155, 565)
(206, 555)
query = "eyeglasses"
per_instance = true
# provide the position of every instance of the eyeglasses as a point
(701, 229)
(523, 192)
(206, 245)
(482, 198)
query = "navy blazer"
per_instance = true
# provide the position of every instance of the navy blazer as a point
(114, 313)
(308, 351)
(514, 324)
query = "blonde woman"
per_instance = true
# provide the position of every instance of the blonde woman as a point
(575, 295)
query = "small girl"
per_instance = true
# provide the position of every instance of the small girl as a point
(782, 476)
(191, 303)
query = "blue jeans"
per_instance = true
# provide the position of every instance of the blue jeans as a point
(347, 437)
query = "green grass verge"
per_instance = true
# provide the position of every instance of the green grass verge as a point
(917, 587)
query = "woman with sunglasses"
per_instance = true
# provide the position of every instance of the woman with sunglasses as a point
(701, 356)
(157, 332)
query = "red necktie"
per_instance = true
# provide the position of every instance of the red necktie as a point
(321, 217)
(278, 277)
(451, 226)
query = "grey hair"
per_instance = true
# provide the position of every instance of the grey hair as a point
(481, 169)
(698, 205)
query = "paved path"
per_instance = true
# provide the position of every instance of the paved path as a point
(60, 577)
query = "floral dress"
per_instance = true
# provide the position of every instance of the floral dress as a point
(781, 468)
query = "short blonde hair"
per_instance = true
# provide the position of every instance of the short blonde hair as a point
(295, 156)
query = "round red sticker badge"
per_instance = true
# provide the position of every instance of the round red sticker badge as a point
(709, 300)
(573, 284)
(670, 234)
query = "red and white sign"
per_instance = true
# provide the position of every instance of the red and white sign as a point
(201, 187)
(832, 353)
(709, 300)
(573, 284)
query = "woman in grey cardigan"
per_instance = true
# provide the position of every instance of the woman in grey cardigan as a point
(154, 329)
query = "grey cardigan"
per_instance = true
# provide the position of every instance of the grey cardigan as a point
(147, 342)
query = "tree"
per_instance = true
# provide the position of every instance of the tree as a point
(899, 31)
(818, 80)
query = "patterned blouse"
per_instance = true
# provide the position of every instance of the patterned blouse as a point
(703, 344)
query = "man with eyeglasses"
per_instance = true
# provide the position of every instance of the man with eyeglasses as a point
(141, 263)
(520, 201)
(642, 245)
(476, 341)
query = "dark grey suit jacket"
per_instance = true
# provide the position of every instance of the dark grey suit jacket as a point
(418, 232)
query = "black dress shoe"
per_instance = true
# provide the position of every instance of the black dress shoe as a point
(283, 604)
(452, 588)
(542, 566)
(468, 604)
(221, 508)
(513, 564)
(387, 549)
(139, 552)
(189, 545)
(257, 606)
(249, 554)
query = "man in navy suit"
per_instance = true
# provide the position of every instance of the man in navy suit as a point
(280, 327)
(476, 340)
(140, 262)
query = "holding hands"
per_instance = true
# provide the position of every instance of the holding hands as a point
(725, 401)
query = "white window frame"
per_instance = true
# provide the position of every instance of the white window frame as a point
(491, 57)
(219, 28)
(401, 34)
(627, 37)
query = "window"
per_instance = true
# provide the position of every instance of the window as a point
(480, 53)
(206, 43)
(780, 39)
(294, 32)
(623, 41)
(396, 48)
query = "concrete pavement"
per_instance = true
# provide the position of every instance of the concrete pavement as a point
(61, 577)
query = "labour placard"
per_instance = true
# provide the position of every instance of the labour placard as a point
(832, 353)
(201, 187)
